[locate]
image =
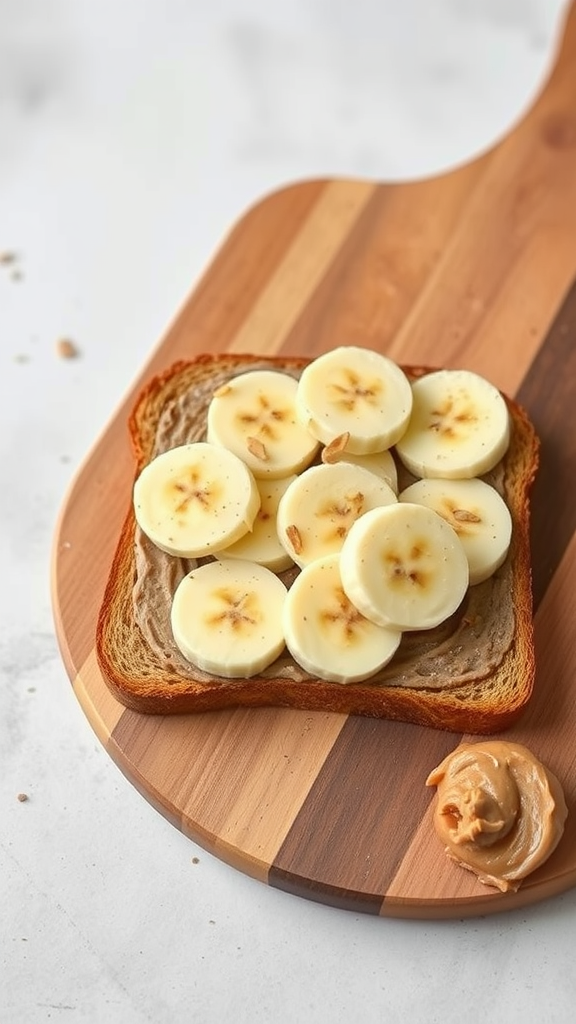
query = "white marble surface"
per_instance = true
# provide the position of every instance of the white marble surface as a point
(132, 133)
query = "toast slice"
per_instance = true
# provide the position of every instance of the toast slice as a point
(473, 673)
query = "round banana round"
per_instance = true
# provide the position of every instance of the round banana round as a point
(318, 508)
(262, 544)
(459, 426)
(254, 416)
(358, 392)
(403, 566)
(477, 513)
(227, 618)
(195, 499)
(326, 634)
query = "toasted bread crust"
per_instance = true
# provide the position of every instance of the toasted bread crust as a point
(489, 703)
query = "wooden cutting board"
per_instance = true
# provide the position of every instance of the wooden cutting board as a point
(474, 269)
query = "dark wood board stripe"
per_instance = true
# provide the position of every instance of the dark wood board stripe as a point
(337, 838)
(373, 280)
(323, 842)
(548, 392)
(245, 792)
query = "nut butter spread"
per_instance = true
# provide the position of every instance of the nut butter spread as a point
(499, 811)
(468, 645)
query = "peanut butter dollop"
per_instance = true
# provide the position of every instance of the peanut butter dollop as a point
(499, 811)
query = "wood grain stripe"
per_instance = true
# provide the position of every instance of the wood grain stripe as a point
(441, 876)
(338, 857)
(550, 722)
(467, 301)
(245, 793)
(92, 694)
(383, 264)
(75, 590)
(547, 728)
(279, 303)
(337, 838)
(224, 299)
(548, 392)
(548, 725)
(406, 279)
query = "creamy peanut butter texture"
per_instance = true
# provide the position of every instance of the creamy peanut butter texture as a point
(468, 645)
(499, 812)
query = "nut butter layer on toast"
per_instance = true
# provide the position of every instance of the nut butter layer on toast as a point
(473, 673)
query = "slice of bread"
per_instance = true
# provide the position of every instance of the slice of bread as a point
(473, 673)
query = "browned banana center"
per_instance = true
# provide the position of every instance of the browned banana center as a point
(264, 421)
(342, 513)
(347, 394)
(408, 569)
(189, 489)
(344, 613)
(238, 610)
(450, 416)
(462, 520)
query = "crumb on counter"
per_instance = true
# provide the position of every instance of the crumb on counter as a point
(22, 797)
(66, 349)
(10, 260)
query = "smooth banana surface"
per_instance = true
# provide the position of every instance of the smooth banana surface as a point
(478, 515)
(262, 544)
(326, 634)
(318, 508)
(227, 618)
(358, 392)
(459, 426)
(254, 416)
(195, 499)
(403, 566)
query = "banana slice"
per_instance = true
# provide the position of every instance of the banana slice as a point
(227, 618)
(262, 544)
(459, 427)
(254, 416)
(403, 566)
(476, 512)
(381, 463)
(195, 499)
(319, 507)
(326, 634)
(358, 392)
